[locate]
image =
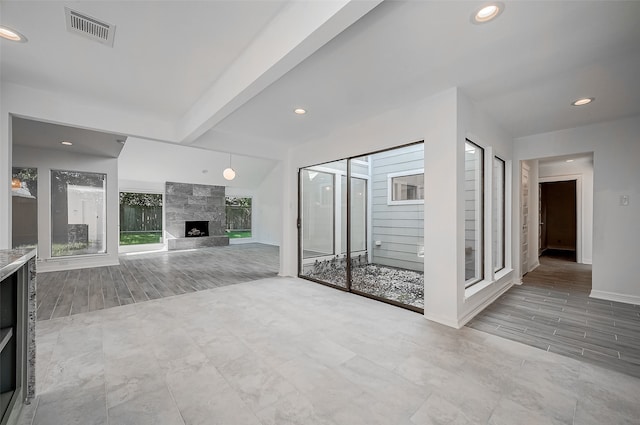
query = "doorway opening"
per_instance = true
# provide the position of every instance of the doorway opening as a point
(558, 220)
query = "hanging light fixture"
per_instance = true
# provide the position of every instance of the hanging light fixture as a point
(229, 173)
(16, 183)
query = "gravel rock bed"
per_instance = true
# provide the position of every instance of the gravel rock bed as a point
(403, 286)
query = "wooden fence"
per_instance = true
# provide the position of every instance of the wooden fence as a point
(134, 218)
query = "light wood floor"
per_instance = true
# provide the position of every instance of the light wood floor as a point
(552, 311)
(145, 277)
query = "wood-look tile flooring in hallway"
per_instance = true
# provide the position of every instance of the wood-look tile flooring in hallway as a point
(552, 310)
(144, 277)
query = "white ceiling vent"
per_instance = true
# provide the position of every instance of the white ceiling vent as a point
(85, 25)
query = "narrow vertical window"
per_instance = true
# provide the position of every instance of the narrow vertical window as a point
(498, 214)
(78, 213)
(473, 192)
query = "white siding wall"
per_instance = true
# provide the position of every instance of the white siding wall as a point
(399, 228)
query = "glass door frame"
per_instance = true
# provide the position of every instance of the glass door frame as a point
(348, 287)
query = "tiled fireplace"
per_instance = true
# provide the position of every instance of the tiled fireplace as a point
(195, 215)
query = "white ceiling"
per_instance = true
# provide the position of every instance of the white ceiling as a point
(41, 135)
(144, 161)
(165, 54)
(524, 69)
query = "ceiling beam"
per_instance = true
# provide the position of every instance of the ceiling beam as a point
(300, 29)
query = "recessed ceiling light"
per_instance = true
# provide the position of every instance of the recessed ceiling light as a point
(487, 12)
(569, 160)
(64, 142)
(300, 111)
(11, 34)
(583, 101)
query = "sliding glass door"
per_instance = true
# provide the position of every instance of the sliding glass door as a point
(362, 225)
(321, 228)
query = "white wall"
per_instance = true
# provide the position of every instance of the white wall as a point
(477, 126)
(267, 208)
(616, 172)
(443, 121)
(583, 170)
(5, 173)
(45, 161)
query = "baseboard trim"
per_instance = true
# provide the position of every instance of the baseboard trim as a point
(452, 323)
(62, 264)
(484, 304)
(614, 296)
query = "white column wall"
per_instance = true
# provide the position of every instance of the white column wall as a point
(477, 126)
(442, 121)
(266, 208)
(5, 174)
(616, 172)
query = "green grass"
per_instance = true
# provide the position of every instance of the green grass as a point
(138, 238)
(61, 250)
(235, 234)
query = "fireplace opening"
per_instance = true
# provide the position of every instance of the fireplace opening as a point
(196, 229)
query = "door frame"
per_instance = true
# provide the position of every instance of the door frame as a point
(578, 179)
(524, 221)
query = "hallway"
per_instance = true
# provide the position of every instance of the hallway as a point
(552, 311)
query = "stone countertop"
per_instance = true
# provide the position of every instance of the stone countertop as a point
(12, 259)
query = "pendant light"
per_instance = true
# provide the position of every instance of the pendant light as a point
(229, 173)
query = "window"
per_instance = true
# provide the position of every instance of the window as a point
(78, 209)
(406, 187)
(355, 233)
(24, 201)
(238, 212)
(473, 214)
(498, 213)
(140, 218)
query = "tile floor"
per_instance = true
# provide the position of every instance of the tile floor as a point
(552, 311)
(142, 277)
(289, 351)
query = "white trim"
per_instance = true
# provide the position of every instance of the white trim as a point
(76, 262)
(452, 323)
(614, 296)
(391, 176)
(240, 241)
(484, 304)
(146, 247)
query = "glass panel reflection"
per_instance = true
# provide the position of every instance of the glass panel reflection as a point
(321, 225)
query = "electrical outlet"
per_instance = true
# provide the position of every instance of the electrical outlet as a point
(624, 200)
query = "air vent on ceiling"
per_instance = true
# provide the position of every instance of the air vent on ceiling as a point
(85, 25)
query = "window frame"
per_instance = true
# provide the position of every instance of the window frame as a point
(105, 190)
(163, 238)
(503, 211)
(250, 238)
(480, 260)
(391, 176)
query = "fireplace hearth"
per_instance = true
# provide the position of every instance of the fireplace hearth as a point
(185, 203)
(196, 229)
